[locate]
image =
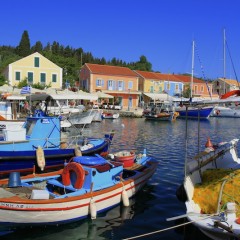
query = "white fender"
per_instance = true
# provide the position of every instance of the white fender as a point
(125, 198)
(40, 158)
(93, 209)
(77, 151)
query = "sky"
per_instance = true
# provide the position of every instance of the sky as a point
(161, 30)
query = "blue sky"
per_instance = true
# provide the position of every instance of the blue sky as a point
(161, 30)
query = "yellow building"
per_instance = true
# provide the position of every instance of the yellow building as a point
(37, 69)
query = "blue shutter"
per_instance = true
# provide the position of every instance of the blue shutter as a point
(102, 83)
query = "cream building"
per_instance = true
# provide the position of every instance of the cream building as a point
(37, 69)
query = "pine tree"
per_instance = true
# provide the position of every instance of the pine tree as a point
(23, 49)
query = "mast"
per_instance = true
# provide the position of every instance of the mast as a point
(193, 46)
(224, 61)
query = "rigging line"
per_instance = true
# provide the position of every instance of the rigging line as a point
(204, 77)
(170, 228)
(232, 62)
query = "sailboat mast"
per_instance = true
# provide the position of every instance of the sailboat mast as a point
(224, 61)
(193, 46)
(224, 54)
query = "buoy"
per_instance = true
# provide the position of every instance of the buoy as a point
(93, 209)
(125, 198)
(40, 158)
(208, 143)
(77, 151)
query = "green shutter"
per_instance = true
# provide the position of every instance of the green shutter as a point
(17, 76)
(43, 77)
(30, 77)
(36, 62)
(54, 77)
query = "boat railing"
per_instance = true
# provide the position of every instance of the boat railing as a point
(64, 142)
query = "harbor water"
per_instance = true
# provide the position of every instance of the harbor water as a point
(149, 209)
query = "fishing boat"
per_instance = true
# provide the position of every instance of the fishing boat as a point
(110, 115)
(211, 190)
(41, 134)
(84, 188)
(160, 111)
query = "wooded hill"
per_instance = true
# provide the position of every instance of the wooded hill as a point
(66, 57)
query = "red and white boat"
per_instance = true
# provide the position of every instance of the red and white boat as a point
(109, 115)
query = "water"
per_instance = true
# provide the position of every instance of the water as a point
(157, 201)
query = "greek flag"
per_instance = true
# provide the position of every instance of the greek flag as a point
(26, 90)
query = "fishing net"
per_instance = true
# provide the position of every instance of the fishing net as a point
(208, 193)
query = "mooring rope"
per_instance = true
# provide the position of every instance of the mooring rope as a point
(169, 228)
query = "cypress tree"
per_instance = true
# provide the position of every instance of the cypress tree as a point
(24, 45)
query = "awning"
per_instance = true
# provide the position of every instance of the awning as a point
(102, 95)
(159, 96)
(66, 96)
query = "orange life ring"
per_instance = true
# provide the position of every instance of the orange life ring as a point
(78, 170)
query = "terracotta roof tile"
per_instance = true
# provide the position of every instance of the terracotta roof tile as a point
(157, 76)
(110, 70)
(187, 79)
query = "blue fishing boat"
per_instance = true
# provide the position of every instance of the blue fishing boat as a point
(85, 187)
(37, 146)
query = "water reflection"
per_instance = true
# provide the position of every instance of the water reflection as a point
(149, 210)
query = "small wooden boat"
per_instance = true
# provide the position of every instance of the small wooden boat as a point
(109, 115)
(160, 111)
(211, 190)
(87, 186)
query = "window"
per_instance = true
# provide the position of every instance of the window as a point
(30, 77)
(54, 77)
(176, 87)
(202, 89)
(110, 84)
(17, 76)
(195, 89)
(43, 77)
(130, 85)
(151, 89)
(36, 62)
(168, 86)
(99, 83)
(120, 85)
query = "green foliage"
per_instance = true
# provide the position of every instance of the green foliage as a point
(23, 49)
(22, 83)
(2, 80)
(187, 91)
(68, 58)
(40, 86)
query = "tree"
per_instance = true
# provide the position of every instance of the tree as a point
(2, 80)
(38, 47)
(187, 91)
(23, 48)
(143, 64)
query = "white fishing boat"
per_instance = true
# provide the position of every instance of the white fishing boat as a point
(84, 188)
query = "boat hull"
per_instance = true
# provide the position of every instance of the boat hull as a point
(203, 113)
(25, 161)
(72, 208)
